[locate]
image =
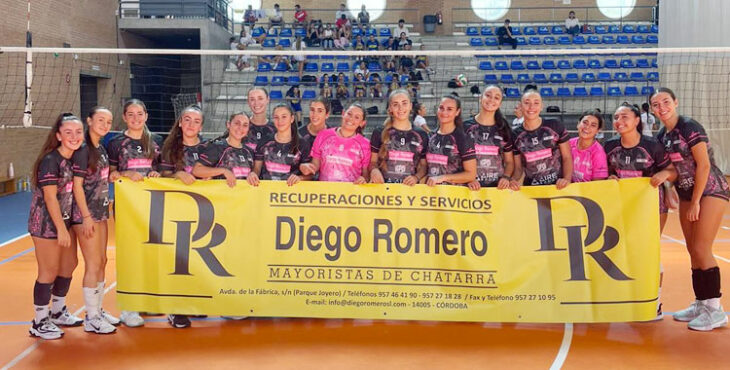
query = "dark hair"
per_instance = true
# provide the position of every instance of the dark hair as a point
(416, 107)
(663, 90)
(172, 149)
(529, 91)
(594, 113)
(458, 121)
(401, 20)
(52, 143)
(94, 154)
(293, 127)
(146, 139)
(499, 120)
(645, 107)
(507, 20)
(324, 101)
(636, 112)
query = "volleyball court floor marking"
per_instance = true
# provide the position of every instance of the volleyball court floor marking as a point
(13, 239)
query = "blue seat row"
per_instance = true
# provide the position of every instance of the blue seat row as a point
(306, 95)
(542, 78)
(560, 30)
(518, 65)
(567, 40)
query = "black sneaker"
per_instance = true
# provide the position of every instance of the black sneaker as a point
(179, 321)
(45, 329)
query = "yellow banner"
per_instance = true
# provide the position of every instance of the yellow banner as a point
(587, 253)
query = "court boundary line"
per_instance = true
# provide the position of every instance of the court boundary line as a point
(13, 240)
(564, 347)
(16, 256)
(685, 244)
(38, 342)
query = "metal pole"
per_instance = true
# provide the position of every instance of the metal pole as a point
(27, 112)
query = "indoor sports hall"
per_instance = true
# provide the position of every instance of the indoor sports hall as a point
(304, 276)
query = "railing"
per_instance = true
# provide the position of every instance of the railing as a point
(217, 11)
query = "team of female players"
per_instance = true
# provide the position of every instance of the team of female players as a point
(71, 175)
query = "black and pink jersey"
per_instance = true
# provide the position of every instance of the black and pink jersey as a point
(644, 160)
(539, 150)
(259, 135)
(96, 183)
(489, 146)
(125, 153)
(53, 169)
(306, 141)
(405, 149)
(278, 160)
(191, 154)
(447, 153)
(219, 154)
(678, 143)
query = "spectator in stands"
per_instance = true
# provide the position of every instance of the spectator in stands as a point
(358, 86)
(299, 60)
(404, 41)
(394, 84)
(391, 44)
(648, 122)
(519, 118)
(358, 44)
(363, 18)
(342, 92)
(572, 26)
(300, 16)
(275, 17)
(406, 63)
(249, 17)
(504, 34)
(363, 70)
(325, 90)
(324, 79)
(376, 92)
(314, 33)
(419, 111)
(372, 44)
(294, 98)
(342, 22)
(245, 38)
(235, 59)
(328, 37)
(342, 41)
(401, 28)
(389, 64)
(340, 78)
(413, 87)
(341, 12)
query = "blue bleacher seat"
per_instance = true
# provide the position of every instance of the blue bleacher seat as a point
(596, 91)
(534, 40)
(529, 31)
(516, 65)
(563, 91)
(548, 64)
(579, 40)
(293, 80)
(647, 90)
(261, 81)
(286, 32)
(654, 28)
(309, 94)
(652, 76)
(302, 32)
(642, 28)
(594, 64)
(371, 31)
(311, 67)
(594, 40)
(563, 64)
(501, 65)
(543, 30)
(516, 31)
(580, 64)
(558, 30)
(572, 77)
(278, 81)
(490, 41)
(327, 57)
(374, 67)
(521, 41)
(273, 32)
(490, 79)
(621, 76)
(547, 92)
(638, 39)
(604, 77)
(343, 67)
(600, 29)
(588, 77)
(388, 78)
(512, 92)
(614, 29)
(611, 63)
(523, 78)
(268, 43)
(628, 28)
(472, 31)
(580, 91)
(476, 41)
(653, 63)
(623, 39)
(631, 91)
(608, 40)
(258, 31)
(564, 40)
(652, 39)
(637, 76)
(264, 67)
(627, 63)
(312, 56)
(533, 64)
(357, 31)
(549, 40)
(539, 78)
(342, 57)
(385, 32)
(614, 91)
(281, 67)
(276, 95)
(487, 31)
(642, 63)
(507, 78)
(485, 65)
(285, 43)
(327, 67)
(556, 78)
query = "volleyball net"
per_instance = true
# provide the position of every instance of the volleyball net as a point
(36, 84)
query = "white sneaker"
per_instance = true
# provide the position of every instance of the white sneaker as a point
(708, 319)
(98, 325)
(690, 313)
(131, 319)
(110, 318)
(45, 329)
(65, 318)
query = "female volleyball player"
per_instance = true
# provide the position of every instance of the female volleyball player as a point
(492, 142)
(227, 157)
(90, 214)
(541, 147)
(398, 149)
(134, 154)
(589, 158)
(49, 225)
(278, 158)
(342, 154)
(703, 193)
(179, 154)
(319, 111)
(261, 130)
(450, 158)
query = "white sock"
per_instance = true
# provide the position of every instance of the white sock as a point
(100, 297)
(713, 302)
(41, 312)
(57, 303)
(91, 300)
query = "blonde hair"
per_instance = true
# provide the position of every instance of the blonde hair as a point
(385, 134)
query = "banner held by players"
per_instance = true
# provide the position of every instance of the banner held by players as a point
(587, 253)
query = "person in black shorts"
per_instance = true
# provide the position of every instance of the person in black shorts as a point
(278, 159)
(89, 217)
(492, 142)
(261, 130)
(319, 111)
(703, 193)
(398, 149)
(540, 147)
(49, 225)
(227, 157)
(451, 158)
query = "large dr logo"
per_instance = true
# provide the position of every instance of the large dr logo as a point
(183, 241)
(575, 242)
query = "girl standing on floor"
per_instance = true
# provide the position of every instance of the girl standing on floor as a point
(589, 158)
(451, 158)
(90, 214)
(703, 193)
(49, 225)
(278, 159)
(492, 142)
(319, 111)
(398, 149)
(227, 157)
